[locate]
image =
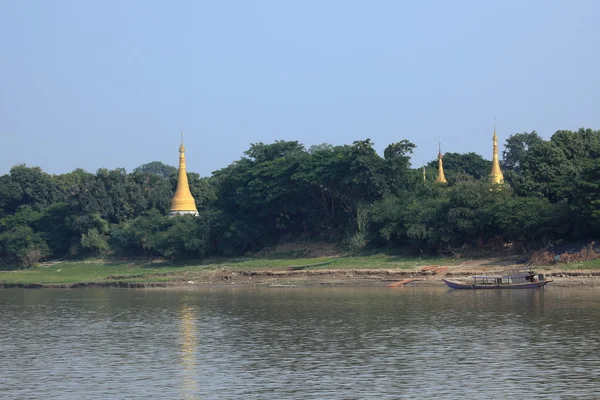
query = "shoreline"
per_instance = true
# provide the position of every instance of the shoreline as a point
(314, 278)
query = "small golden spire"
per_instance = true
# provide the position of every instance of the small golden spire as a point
(440, 178)
(424, 174)
(183, 202)
(496, 174)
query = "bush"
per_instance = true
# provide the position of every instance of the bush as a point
(23, 246)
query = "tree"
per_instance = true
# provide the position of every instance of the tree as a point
(82, 225)
(11, 195)
(156, 190)
(320, 147)
(586, 203)
(279, 192)
(94, 242)
(516, 148)
(113, 195)
(469, 209)
(156, 168)
(397, 166)
(185, 238)
(53, 226)
(261, 152)
(471, 164)
(139, 236)
(23, 246)
(551, 168)
(32, 186)
(72, 182)
(338, 180)
(203, 190)
(258, 192)
(524, 218)
(24, 216)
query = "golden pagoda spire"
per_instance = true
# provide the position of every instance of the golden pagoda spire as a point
(424, 174)
(440, 178)
(183, 201)
(496, 174)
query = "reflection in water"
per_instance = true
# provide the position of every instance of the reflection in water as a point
(189, 340)
(346, 343)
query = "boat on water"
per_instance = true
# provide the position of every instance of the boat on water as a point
(522, 278)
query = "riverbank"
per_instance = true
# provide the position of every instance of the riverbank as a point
(375, 270)
(375, 278)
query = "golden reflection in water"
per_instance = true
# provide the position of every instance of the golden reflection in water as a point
(188, 341)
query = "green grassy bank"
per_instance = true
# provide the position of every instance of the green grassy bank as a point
(106, 271)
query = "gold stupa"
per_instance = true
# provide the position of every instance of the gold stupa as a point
(496, 174)
(183, 202)
(441, 178)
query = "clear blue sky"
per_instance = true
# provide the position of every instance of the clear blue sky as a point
(94, 84)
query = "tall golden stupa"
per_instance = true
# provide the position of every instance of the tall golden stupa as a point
(496, 174)
(441, 178)
(183, 202)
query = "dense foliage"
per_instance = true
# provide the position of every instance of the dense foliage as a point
(284, 192)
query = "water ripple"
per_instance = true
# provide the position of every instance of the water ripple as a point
(299, 344)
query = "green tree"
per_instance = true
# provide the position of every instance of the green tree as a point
(396, 167)
(185, 238)
(337, 180)
(551, 168)
(156, 168)
(203, 190)
(94, 242)
(139, 236)
(258, 193)
(72, 182)
(516, 148)
(586, 203)
(113, 195)
(469, 210)
(83, 225)
(31, 186)
(524, 218)
(156, 190)
(260, 152)
(455, 164)
(23, 246)
(54, 228)
(24, 216)
(11, 194)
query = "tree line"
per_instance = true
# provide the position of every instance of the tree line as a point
(283, 192)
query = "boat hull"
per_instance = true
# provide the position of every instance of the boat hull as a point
(465, 285)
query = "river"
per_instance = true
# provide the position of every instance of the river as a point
(299, 343)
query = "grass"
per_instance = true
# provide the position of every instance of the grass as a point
(95, 271)
(584, 265)
(383, 261)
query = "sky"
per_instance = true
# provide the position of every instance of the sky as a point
(108, 84)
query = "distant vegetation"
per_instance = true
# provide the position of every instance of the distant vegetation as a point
(282, 192)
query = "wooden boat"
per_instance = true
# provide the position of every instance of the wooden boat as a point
(522, 278)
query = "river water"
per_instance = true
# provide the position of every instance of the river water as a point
(299, 343)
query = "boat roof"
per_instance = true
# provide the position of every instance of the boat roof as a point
(501, 276)
(511, 273)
